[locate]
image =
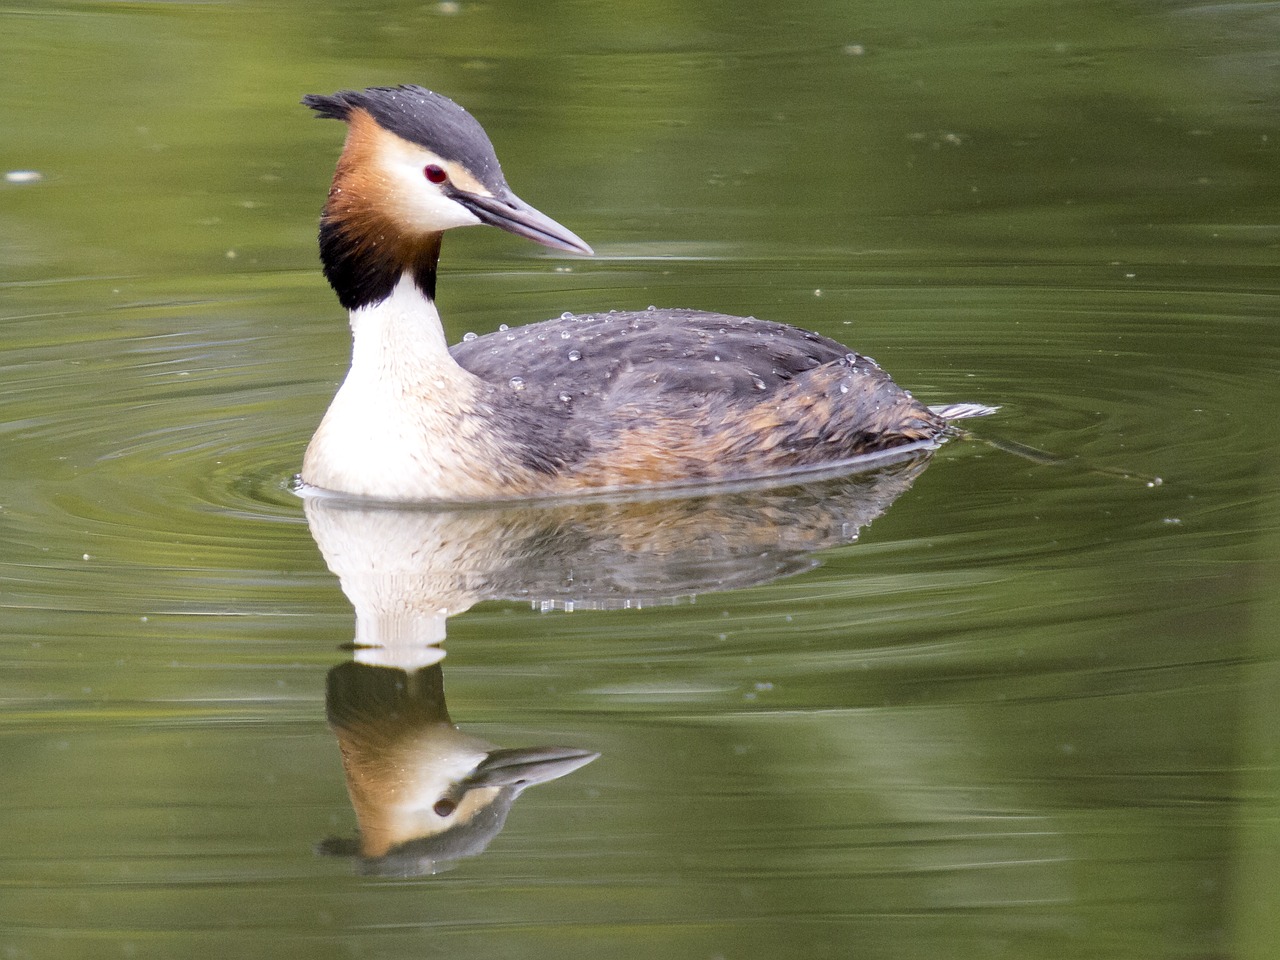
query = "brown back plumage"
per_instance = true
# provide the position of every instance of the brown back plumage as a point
(654, 395)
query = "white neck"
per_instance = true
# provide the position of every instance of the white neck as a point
(399, 338)
(387, 432)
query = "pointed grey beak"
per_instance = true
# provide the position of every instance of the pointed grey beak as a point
(526, 766)
(515, 216)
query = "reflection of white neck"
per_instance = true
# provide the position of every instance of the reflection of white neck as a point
(403, 572)
(387, 432)
(385, 642)
(394, 626)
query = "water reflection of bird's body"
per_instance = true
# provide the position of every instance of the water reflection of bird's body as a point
(426, 793)
(579, 403)
(407, 570)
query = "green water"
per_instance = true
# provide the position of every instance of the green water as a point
(980, 705)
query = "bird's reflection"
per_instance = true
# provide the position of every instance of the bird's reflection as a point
(424, 792)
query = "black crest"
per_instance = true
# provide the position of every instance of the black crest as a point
(423, 117)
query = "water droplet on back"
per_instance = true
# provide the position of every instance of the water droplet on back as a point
(469, 336)
(503, 326)
(575, 354)
(516, 383)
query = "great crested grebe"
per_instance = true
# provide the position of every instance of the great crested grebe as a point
(575, 404)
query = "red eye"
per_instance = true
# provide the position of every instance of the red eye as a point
(435, 173)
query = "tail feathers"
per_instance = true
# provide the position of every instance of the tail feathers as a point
(963, 411)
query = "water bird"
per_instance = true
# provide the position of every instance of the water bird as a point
(575, 404)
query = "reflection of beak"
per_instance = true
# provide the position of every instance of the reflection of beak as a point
(525, 766)
(515, 216)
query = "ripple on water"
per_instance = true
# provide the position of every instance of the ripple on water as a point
(146, 440)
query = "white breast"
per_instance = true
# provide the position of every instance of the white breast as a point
(397, 428)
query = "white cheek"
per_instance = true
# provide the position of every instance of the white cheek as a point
(417, 202)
